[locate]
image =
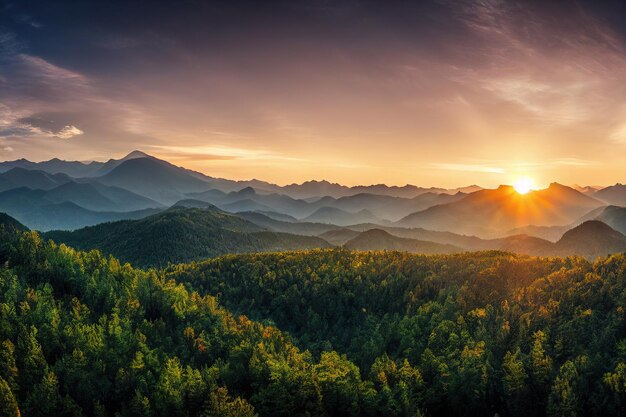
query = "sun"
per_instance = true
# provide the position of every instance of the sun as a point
(523, 185)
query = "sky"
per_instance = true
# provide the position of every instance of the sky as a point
(431, 93)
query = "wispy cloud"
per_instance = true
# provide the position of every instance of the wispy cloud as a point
(68, 132)
(562, 71)
(223, 152)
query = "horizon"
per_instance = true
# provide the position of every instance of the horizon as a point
(439, 93)
(532, 187)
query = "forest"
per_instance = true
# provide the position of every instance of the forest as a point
(309, 333)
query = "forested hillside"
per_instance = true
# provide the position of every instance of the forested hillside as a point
(81, 334)
(466, 334)
(181, 234)
(488, 332)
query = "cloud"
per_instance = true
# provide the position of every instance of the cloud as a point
(618, 135)
(560, 70)
(222, 152)
(68, 132)
(40, 99)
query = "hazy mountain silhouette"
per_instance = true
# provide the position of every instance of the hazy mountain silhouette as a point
(551, 233)
(98, 197)
(156, 179)
(300, 228)
(387, 207)
(279, 216)
(247, 204)
(191, 203)
(589, 190)
(35, 210)
(91, 196)
(74, 169)
(35, 179)
(332, 215)
(613, 216)
(591, 239)
(182, 234)
(111, 164)
(248, 199)
(308, 189)
(377, 239)
(493, 212)
(614, 195)
(339, 237)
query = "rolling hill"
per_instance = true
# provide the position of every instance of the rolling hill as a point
(8, 223)
(248, 199)
(40, 180)
(614, 217)
(591, 239)
(97, 197)
(299, 228)
(38, 214)
(62, 207)
(551, 233)
(339, 237)
(182, 234)
(332, 215)
(377, 239)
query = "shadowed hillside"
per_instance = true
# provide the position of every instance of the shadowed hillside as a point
(181, 235)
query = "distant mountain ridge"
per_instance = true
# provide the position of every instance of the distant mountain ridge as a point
(492, 212)
(590, 239)
(35, 179)
(82, 194)
(614, 195)
(307, 189)
(182, 234)
(339, 217)
(377, 239)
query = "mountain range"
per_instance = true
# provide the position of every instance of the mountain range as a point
(59, 195)
(490, 212)
(182, 234)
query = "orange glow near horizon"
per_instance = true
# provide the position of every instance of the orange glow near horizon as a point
(523, 185)
(425, 93)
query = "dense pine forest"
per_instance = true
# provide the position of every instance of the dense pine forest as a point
(315, 333)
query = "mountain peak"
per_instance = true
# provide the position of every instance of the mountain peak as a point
(592, 226)
(246, 191)
(591, 239)
(556, 185)
(135, 154)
